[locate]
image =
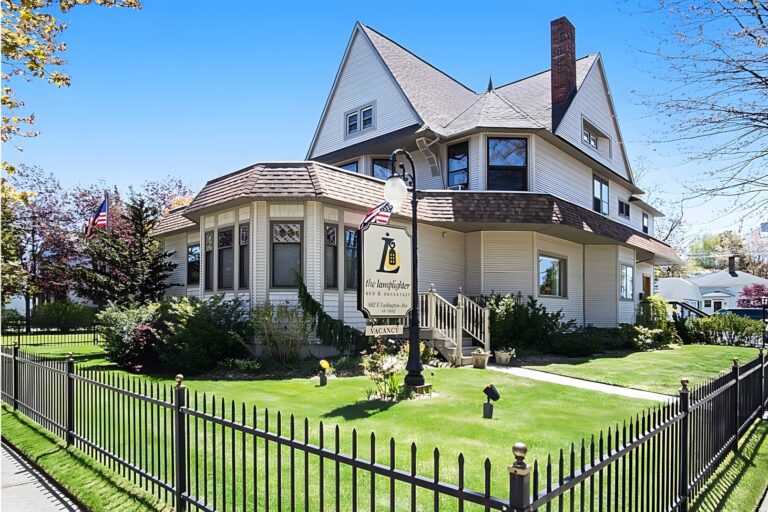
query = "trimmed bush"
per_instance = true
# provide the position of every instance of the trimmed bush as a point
(11, 319)
(127, 334)
(194, 335)
(63, 315)
(283, 329)
(724, 329)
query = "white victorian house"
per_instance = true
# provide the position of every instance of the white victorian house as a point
(524, 187)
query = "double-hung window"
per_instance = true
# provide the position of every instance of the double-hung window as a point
(552, 276)
(381, 168)
(645, 223)
(352, 123)
(243, 264)
(367, 116)
(351, 244)
(458, 165)
(589, 137)
(627, 282)
(286, 254)
(361, 119)
(507, 163)
(208, 260)
(331, 256)
(600, 195)
(623, 208)
(226, 259)
(193, 265)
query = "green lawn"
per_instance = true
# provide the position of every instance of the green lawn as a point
(658, 371)
(89, 482)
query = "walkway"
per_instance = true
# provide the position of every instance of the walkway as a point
(24, 488)
(580, 383)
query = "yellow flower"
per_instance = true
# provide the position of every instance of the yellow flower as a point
(324, 364)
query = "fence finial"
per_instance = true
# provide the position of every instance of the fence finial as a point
(684, 383)
(179, 380)
(519, 467)
(70, 357)
(735, 361)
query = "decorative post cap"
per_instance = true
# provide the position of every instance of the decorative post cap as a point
(684, 383)
(735, 361)
(432, 287)
(179, 379)
(519, 450)
(70, 357)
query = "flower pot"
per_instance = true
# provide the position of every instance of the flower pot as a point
(502, 357)
(480, 360)
(323, 379)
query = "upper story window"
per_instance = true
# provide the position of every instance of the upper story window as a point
(458, 166)
(645, 223)
(507, 163)
(595, 138)
(193, 265)
(589, 137)
(600, 195)
(623, 209)
(380, 168)
(350, 166)
(360, 119)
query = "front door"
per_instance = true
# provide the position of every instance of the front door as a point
(717, 305)
(646, 286)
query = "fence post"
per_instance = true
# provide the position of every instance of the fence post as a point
(181, 444)
(16, 376)
(519, 480)
(736, 420)
(684, 404)
(70, 436)
(459, 333)
(762, 383)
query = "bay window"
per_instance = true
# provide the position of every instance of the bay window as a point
(286, 254)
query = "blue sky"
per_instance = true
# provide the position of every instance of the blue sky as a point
(198, 89)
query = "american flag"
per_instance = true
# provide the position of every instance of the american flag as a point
(378, 214)
(98, 220)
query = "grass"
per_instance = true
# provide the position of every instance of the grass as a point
(90, 483)
(741, 480)
(658, 371)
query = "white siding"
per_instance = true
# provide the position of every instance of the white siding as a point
(562, 175)
(593, 104)
(363, 78)
(331, 303)
(473, 263)
(260, 245)
(601, 285)
(178, 245)
(507, 262)
(352, 316)
(572, 305)
(314, 239)
(441, 260)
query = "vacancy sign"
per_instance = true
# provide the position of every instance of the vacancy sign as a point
(386, 272)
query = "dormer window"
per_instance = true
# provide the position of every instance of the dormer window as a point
(360, 120)
(352, 123)
(595, 138)
(589, 138)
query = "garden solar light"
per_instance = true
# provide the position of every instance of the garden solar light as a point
(491, 393)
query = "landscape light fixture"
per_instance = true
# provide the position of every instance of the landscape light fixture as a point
(395, 192)
(491, 393)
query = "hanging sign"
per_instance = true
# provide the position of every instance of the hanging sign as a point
(383, 330)
(386, 272)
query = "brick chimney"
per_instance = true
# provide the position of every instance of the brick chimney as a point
(563, 74)
(732, 264)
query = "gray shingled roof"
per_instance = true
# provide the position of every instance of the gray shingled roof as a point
(532, 94)
(305, 180)
(491, 110)
(173, 221)
(436, 97)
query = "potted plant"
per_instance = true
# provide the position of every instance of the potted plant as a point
(480, 358)
(504, 356)
(325, 370)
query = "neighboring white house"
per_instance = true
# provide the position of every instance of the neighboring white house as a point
(524, 187)
(715, 291)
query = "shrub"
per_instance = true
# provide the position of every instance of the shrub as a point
(724, 329)
(252, 366)
(283, 329)
(525, 325)
(194, 335)
(63, 315)
(652, 312)
(646, 338)
(11, 319)
(382, 366)
(127, 335)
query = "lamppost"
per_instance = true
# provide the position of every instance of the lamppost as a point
(764, 303)
(395, 190)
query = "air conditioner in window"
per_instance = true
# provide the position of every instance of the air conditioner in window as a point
(457, 187)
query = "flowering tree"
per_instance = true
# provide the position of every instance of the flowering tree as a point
(750, 296)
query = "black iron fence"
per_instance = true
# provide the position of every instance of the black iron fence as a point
(17, 333)
(200, 452)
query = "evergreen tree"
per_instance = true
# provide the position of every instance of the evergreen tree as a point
(127, 267)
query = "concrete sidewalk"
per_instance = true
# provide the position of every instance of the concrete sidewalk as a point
(580, 383)
(23, 488)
